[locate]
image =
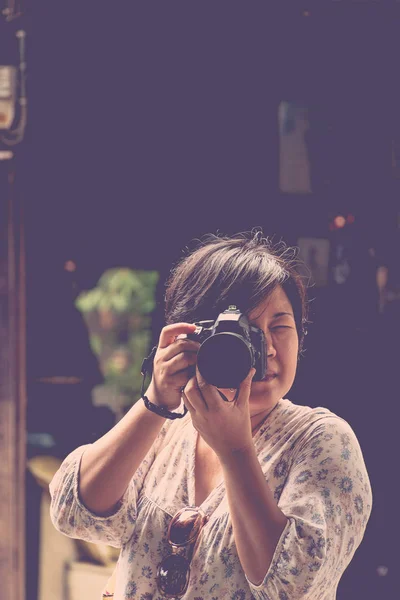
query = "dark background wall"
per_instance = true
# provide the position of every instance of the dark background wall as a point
(153, 123)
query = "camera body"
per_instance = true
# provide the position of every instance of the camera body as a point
(230, 347)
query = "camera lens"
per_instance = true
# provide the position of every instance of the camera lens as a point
(224, 359)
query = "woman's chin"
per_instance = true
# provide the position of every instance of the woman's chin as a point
(264, 388)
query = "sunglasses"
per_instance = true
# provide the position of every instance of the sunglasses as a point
(173, 572)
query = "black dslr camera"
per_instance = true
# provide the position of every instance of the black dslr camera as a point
(230, 347)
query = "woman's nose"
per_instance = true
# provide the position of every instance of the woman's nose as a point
(271, 352)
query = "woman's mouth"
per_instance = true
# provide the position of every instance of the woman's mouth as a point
(269, 377)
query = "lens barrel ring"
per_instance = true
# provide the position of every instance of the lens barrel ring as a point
(224, 359)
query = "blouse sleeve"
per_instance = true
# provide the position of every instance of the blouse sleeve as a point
(70, 516)
(327, 499)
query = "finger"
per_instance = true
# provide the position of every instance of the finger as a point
(169, 333)
(245, 386)
(187, 402)
(207, 390)
(202, 383)
(194, 394)
(180, 380)
(178, 347)
(180, 362)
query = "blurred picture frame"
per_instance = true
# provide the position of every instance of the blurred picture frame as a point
(294, 161)
(315, 252)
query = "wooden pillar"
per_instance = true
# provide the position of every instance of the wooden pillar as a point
(12, 388)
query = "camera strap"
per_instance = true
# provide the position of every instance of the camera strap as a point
(147, 367)
(225, 399)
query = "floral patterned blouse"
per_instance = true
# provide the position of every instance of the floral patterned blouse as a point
(312, 462)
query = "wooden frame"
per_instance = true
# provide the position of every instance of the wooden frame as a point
(12, 389)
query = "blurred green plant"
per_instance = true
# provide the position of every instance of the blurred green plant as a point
(118, 315)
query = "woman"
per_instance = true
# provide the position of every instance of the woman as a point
(248, 495)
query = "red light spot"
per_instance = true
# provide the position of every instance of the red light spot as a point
(70, 266)
(339, 221)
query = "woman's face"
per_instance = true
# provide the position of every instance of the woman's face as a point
(275, 317)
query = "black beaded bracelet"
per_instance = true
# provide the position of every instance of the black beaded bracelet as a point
(163, 411)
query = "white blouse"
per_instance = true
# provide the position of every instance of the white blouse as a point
(312, 462)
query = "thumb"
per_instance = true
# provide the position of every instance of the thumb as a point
(246, 384)
(250, 376)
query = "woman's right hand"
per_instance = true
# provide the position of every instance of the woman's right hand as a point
(171, 367)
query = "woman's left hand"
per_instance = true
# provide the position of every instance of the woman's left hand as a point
(224, 426)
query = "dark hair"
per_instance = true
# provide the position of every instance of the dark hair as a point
(241, 270)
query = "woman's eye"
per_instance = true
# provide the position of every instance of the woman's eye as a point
(282, 327)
